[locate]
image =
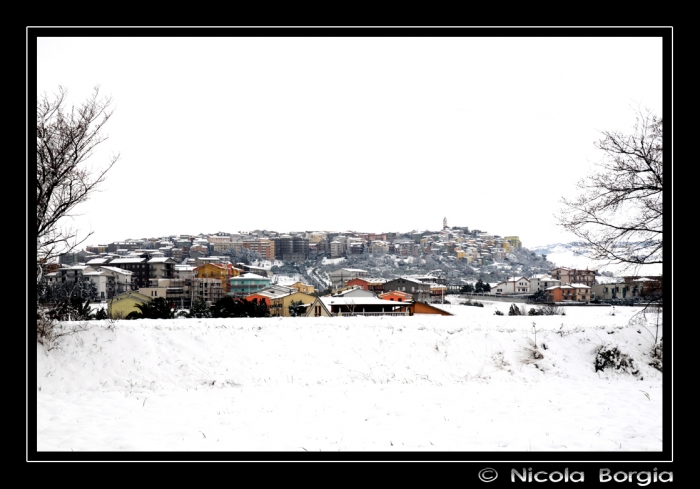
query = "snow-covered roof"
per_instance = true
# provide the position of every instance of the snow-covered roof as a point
(117, 270)
(93, 272)
(568, 286)
(517, 279)
(184, 268)
(159, 259)
(373, 280)
(133, 259)
(358, 301)
(248, 275)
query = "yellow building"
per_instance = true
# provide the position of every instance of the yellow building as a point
(302, 287)
(514, 241)
(218, 270)
(121, 305)
(279, 306)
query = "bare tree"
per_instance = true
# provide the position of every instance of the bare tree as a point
(618, 215)
(65, 141)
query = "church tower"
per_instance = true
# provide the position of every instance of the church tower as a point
(444, 223)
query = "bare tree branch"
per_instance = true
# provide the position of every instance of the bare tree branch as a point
(618, 216)
(66, 139)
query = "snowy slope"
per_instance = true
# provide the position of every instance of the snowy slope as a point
(471, 382)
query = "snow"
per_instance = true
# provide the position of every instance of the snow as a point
(563, 256)
(464, 383)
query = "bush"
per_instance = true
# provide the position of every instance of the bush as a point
(514, 310)
(657, 354)
(158, 308)
(498, 313)
(551, 310)
(610, 357)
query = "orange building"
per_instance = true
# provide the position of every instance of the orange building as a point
(222, 271)
(423, 308)
(259, 297)
(572, 292)
(396, 295)
(375, 285)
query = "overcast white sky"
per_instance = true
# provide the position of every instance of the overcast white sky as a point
(348, 133)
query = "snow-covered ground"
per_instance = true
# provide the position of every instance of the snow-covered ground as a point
(471, 382)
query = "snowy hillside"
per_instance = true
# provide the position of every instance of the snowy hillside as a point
(472, 382)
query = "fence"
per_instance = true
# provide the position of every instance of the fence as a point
(338, 314)
(520, 299)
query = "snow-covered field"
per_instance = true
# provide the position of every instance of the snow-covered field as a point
(471, 382)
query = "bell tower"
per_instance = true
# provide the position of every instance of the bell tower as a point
(444, 223)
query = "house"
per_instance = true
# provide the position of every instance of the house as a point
(424, 308)
(161, 267)
(67, 275)
(121, 305)
(569, 292)
(342, 275)
(542, 281)
(208, 289)
(109, 281)
(359, 306)
(514, 285)
(174, 290)
(243, 268)
(419, 290)
(302, 287)
(352, 291)
(573, 275)
(375, 285)
(318, 308)
(645, 288)
(137, 265)
(269, 293)
(397, 296)
(437, 291)
(222, 271)
(279, 305)
(247, 283)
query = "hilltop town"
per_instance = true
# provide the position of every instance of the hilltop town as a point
(296, 268)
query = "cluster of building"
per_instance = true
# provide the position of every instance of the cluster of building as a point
(564, 284)
(458, 243)
(183, 268)
(117, 281)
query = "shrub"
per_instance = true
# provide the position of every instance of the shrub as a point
(610, 357)
(498, 313)
(551, 310)
(158, 308)
(657, 353)
(514, 310)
